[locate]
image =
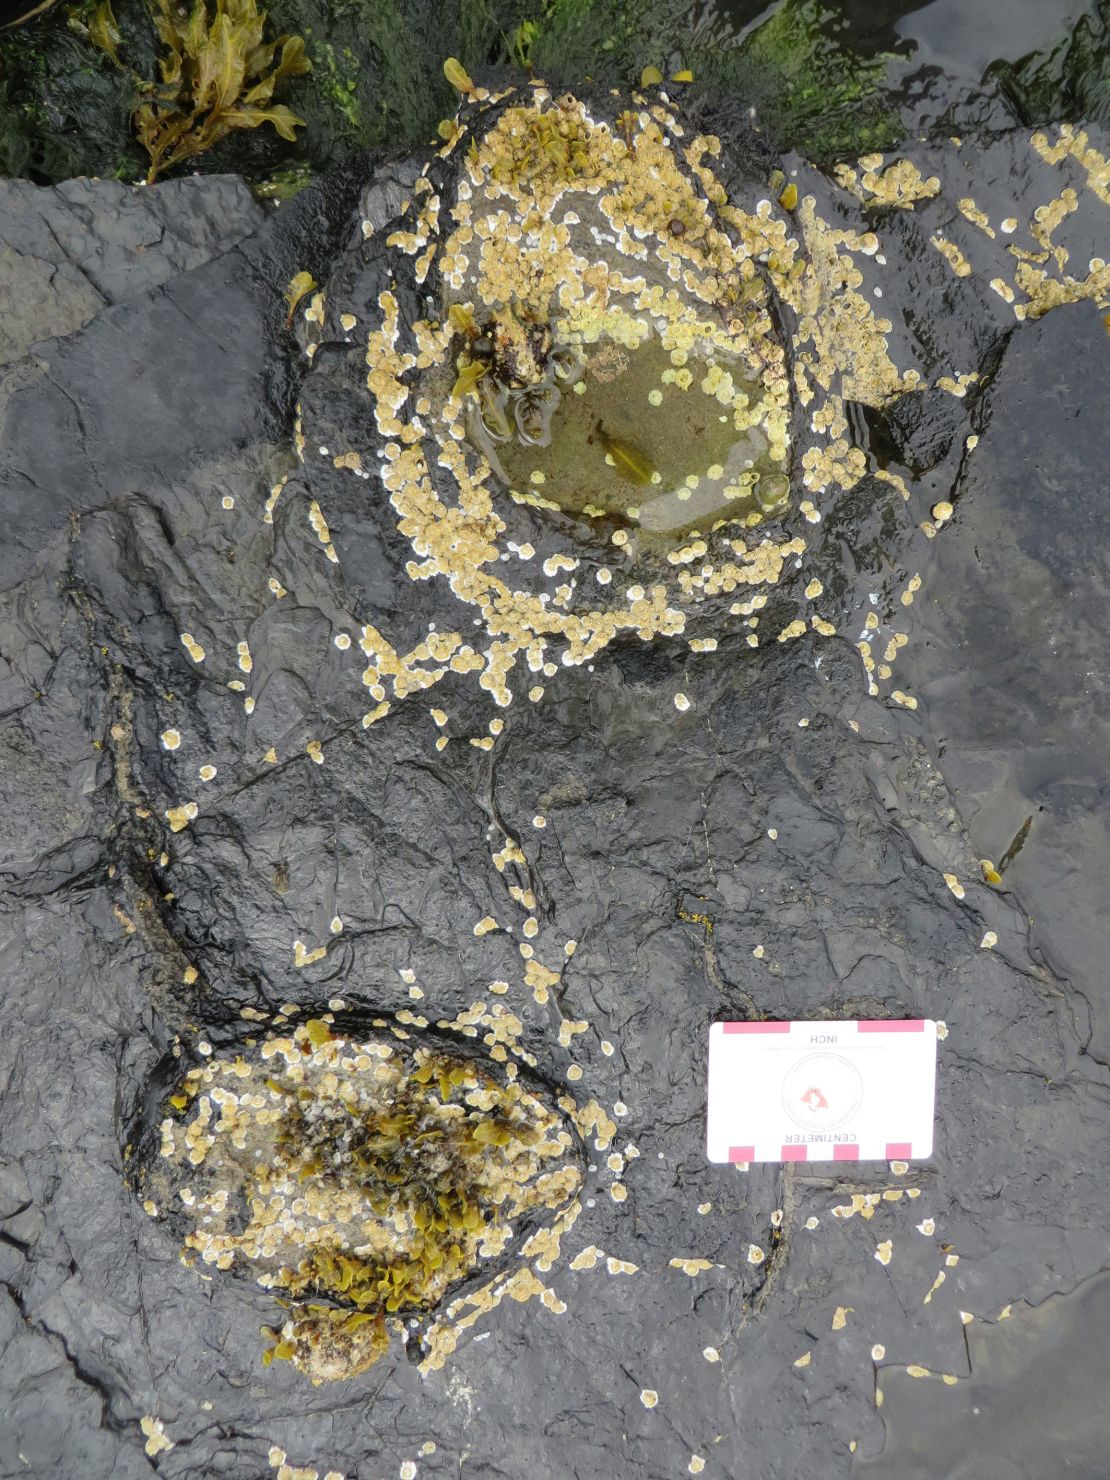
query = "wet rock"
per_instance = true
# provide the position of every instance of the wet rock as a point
(232, 810)
(1031, 1406)
(207, 338)
(72, 248)
(1011, 672)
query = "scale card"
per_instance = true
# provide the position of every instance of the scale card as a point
(822, 1091)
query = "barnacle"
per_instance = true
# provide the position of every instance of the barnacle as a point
(518, 376)
(353, 1176)
(668, 342)
(693, 378)
(660, 348)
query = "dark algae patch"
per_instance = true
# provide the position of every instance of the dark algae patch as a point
(1066, 82)
(810, 90)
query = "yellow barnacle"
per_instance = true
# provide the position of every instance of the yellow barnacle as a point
(352, 1181)
(461, 319)
(651, 77)
(489, 1133)
(357, 1319)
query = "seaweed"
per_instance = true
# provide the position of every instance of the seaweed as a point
(377, 77)
(49, 78)
(605, 40)
(392, 1170)
(23, 136)
(218, 74)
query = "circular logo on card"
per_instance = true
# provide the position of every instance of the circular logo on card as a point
(822, 1091)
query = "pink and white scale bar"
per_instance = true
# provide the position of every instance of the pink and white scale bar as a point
(822, 1091)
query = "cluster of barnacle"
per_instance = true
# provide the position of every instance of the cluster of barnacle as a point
(327, 1342)
(517, 375)
(703, 300)
(553, 147)
(371, 1179)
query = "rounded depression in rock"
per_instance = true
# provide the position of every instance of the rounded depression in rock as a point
(611, 346)
(358, 1176)
(580, 339)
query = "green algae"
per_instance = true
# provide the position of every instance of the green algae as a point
(809, 90)
(64, 109)
(606, 40)
(377, 76)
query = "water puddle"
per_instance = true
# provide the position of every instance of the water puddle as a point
(653, 438)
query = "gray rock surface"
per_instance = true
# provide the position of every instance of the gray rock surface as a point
(1031, 1407)
(120, 936)
(69, 250)
(182, 316)
(1013, 674)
